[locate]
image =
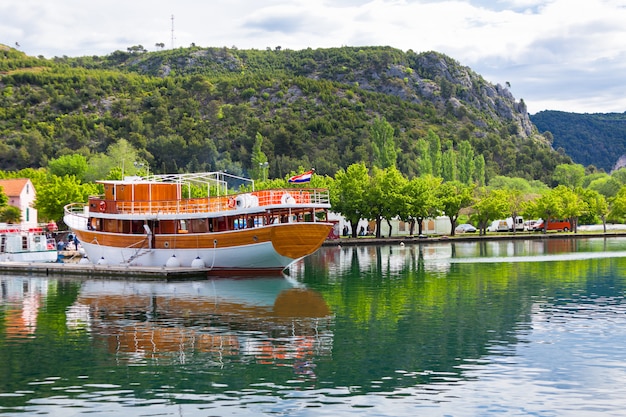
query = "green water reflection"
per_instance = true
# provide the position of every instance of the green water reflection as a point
(415, 311)
(346, 322)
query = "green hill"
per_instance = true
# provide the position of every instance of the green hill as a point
(200, 109)
(589, 139)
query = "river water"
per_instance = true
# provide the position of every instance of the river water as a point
(506, 328)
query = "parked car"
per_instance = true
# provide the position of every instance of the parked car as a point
(498, 226)
(465, 228)
(530, 224)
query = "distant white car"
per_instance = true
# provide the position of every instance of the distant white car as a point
(530, 224)
(465, 228)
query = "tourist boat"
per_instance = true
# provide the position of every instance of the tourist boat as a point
(191, 220)
(19, 243)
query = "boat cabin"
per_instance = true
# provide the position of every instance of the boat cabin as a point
(139, 207)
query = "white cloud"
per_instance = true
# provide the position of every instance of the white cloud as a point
(557, 54)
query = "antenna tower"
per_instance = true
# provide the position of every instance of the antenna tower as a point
(172, 31)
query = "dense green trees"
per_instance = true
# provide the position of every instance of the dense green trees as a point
(358, 193)
(384, 194)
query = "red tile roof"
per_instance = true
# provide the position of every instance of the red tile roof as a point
(13, 187)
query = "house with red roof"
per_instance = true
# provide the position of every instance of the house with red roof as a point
(21, 194)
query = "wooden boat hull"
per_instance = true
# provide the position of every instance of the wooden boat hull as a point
(268, 248)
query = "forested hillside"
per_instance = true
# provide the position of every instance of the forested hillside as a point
(196, 108)
(589, 139)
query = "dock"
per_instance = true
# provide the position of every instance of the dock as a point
(102, 271)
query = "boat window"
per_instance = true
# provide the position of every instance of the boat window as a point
(198, 225)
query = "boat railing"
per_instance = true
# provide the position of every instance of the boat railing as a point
(274, 198)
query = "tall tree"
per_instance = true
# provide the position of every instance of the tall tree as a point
(422, 202)
(348, 195)
(569, 175)
(573, 205)
(479, 170)
(597, 206)
(453, 196)
(466, 162)
(384, 150)
(449, 165)
(490, 205)
(386, 196)
(618, 205)
(118, 162)
(259, 162)
(606, 185)
(516, 200)
(56, 192)
(425, 164)
(434, 143)
(74, 164)
(558, 203)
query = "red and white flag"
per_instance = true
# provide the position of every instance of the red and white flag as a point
(306, 177)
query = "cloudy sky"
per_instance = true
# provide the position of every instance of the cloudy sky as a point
(565, 55)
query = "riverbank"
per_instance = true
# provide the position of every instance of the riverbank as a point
(471, 237)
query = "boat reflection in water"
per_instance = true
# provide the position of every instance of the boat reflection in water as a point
(269, 320)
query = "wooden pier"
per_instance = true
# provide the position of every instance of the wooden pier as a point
(102, 271)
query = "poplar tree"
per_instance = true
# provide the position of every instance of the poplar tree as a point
(479, 170)
(435, 152)
(384, 152)
(258, 159)
(424, 163)
(466, 162)
(449, 165)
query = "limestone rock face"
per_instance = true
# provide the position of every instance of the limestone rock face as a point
(621, 163)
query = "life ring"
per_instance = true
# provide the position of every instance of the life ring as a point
(287, 199)
(103, 206)
(231, 202)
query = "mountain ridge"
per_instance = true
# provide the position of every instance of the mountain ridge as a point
(597, 139)
(201, 108)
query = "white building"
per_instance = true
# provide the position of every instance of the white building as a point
(21, 194)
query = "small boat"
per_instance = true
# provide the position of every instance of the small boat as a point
(191, 220)
(19, 243)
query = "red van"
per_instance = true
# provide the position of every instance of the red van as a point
(553, 224)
